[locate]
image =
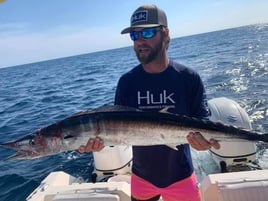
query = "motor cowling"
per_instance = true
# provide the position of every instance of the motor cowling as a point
(231, 154)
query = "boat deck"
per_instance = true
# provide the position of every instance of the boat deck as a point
(235, 186)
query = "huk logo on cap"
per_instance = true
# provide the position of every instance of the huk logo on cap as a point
(140, 16)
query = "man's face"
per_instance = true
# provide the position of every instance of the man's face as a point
(147, 50)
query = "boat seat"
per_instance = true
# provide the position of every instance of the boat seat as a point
(236, 186)
(244, 191)
(86, 197)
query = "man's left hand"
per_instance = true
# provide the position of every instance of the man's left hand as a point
(198, 142)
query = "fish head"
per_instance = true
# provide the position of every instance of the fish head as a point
(29, 146)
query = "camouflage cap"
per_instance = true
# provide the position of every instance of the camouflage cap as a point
(146, 16)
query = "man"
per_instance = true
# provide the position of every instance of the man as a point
(160, 83)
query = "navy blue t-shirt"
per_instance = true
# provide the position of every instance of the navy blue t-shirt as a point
(178, 88)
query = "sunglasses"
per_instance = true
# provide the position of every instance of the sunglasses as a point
(146, 33)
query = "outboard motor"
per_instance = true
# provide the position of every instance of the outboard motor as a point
(231, 155)
(111, 161)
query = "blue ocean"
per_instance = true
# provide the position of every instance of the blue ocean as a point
(233, 63)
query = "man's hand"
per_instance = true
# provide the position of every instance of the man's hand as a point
(198, 142)
(93, 144)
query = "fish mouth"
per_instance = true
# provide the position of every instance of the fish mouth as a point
(22, 155)
(10, 145)
(17, 144)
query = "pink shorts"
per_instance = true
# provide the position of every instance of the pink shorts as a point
(184, 190)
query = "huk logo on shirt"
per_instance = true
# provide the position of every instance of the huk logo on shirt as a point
(149, 98)
(139, 17)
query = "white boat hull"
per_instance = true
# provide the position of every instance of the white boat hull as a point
(60, 186)
(235, 186)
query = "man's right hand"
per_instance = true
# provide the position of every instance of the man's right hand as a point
(93, 144)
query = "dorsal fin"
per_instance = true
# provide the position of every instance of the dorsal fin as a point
(114, 108)
(165, 110)
(109, 108)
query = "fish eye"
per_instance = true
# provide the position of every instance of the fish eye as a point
(31, 142)
(68, 136)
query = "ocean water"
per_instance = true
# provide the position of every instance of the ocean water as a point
(232, 63)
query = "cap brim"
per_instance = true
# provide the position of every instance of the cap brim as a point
(129, 29)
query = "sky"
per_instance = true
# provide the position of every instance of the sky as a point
(32, 30)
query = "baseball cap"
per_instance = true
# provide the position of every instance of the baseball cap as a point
(146, 16)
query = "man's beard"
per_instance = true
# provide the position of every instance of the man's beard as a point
(145, 59)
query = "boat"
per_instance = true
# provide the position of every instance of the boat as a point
(231, 186)
(110, 180)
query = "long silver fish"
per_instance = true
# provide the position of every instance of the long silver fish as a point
(118, 125)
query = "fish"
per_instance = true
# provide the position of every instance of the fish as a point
(120, 125)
